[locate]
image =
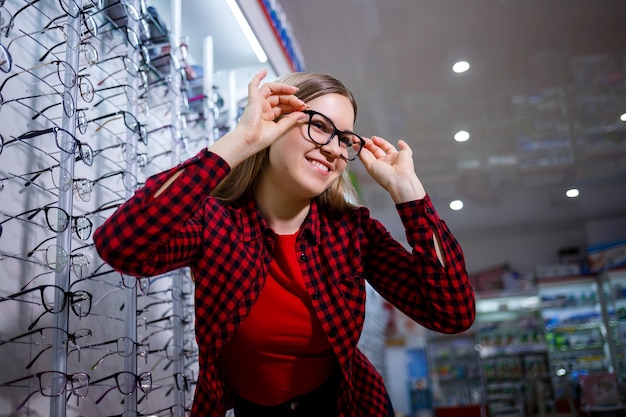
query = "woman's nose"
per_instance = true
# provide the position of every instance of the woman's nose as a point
(332, 148)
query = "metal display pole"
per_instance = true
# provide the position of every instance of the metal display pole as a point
(130, 322)
(177, 279)
(64, 241)
(603, 285)
(209, 108)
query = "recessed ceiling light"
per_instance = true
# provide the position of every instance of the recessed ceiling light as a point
(460, 67)
(572, 193)
(456, 205)
(623, 117)
(461, 136)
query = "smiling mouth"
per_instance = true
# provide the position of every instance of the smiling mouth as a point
(319, 165)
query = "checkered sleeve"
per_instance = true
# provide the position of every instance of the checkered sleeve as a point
(439, 297)
(150, 235)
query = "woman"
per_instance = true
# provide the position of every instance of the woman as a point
(279, 253)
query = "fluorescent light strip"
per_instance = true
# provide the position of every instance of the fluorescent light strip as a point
(247, 30)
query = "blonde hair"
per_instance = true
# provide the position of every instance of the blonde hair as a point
(341, 194)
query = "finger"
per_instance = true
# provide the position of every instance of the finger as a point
(366, 156)
(383, 144)
(288, 121)
(272, 88)
(287, 101)
(253, 85)
(378, 147)
(404, 146)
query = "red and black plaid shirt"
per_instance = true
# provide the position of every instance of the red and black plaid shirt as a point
(228, 248)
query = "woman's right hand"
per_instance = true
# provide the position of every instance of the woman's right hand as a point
(260, 123)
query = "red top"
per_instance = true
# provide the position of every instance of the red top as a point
(280, 351)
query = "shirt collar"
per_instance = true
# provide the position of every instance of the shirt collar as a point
(254, 225)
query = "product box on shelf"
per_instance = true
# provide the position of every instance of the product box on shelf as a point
(606, 255)
(491, 279)
(557, 270)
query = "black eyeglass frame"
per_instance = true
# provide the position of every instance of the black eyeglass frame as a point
(335, 133)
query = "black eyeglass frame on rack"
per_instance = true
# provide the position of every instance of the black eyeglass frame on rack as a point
(49, 301)
(85, 151)
(79, 383)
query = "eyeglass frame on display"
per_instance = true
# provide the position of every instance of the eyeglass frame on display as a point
(84, 376)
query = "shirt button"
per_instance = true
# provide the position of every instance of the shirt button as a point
(303, 256)
(293, 406)
(316, 295)
(429, 210)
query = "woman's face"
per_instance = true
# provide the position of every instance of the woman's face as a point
(303, 168)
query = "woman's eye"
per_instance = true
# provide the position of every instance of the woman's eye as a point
(346, 141)
(318, 125)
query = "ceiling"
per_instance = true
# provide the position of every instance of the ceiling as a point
(541, 100)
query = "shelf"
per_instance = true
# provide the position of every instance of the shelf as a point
(495, 351)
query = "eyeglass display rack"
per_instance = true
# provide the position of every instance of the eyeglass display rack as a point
(532, 347)
(72, 151)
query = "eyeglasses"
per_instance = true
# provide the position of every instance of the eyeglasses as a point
(5, 19)
(66, 5)
(174, 320)
(129, 180)
(6, 61)
(322, 131)
(87, 52)
(128, 9)
(172, 351)
(182, 382)
(45, 336)
(85, 151)
(129, 91)
(130, 121)
(129, 66)
(171, 411)
(79, 263)
(67, 101)
(63, 68)
(61, 180)
(54, 384)
(87, 92)
(124, 346)
(80, 301)
(87, 19)
(132, 37)
(58, 220)
(126, 281)
(126, 383)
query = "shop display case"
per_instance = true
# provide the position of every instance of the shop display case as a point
(615, 284)
(513, 354)
(455, 370)
(574, 310)
(532, 348)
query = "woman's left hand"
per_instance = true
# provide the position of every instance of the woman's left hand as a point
(392, 168)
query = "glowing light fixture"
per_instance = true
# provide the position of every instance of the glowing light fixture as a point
(456, 205)
(247, 30)
(623, 117)
(461, 136)
(461, 66)
(572, 193)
